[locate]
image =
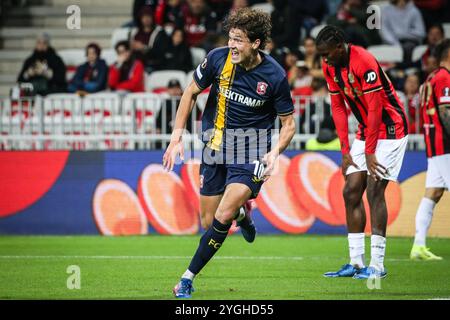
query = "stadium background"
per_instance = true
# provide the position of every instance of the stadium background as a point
(104, 189)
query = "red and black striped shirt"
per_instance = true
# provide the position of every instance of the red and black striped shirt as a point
(356, 83)
(435, 93)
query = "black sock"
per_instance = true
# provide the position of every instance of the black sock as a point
(210, 242)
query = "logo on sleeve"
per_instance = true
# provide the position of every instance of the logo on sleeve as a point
(370, 76)
(204, 63)
(445, 98)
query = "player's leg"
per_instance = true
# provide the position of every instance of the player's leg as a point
(208, 207)
(355, 185)
(389, 154)
(234, 197)
(378, 221)
(434, 189)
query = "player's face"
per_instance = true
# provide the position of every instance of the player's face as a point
(332, 55)
(242, 49)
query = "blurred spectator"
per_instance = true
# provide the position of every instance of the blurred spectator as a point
(239, 4)
(279, 17)
(127, 74)
(44, 69)
(169, 14)
(91, 76)
(402, 25)
(412, 102)
(352, 17)
(138, 5)
(178, 56)
(200, 23)
(312, 59)
(289, 59)
(317, 102)
(221, 7)
(149, 41)
(434, 11)
(326, 139)
(434, 36)
(303, 14)
(300, 76)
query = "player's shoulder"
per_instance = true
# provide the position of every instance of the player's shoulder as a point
(218, 54)
(272, 70)
(360, 56)
(273, 64)
(438, 75)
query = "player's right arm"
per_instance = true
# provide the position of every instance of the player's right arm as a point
(203, 77)
(175, 147)
(340, 118)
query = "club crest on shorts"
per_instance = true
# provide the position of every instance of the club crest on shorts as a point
(261, 88)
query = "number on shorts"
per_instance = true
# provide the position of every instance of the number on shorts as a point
(259, 169)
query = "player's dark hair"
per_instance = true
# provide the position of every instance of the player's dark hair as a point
(254, 23)
(330, 35)
(442, 50)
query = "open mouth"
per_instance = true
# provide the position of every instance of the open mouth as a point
(234, 54)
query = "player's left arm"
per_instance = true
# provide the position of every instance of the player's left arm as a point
(285, 109)
(442, 93)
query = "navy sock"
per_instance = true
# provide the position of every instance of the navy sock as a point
(210, 242)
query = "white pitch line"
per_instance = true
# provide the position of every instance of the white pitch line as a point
(148, 257)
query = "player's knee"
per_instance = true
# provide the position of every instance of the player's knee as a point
(351, 194)
(225, 216)
(375, 193)
(434, 194)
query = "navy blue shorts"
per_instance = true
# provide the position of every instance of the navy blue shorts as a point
(215, 177)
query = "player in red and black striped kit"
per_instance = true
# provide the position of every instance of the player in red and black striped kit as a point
(435, 110)
(355, 77)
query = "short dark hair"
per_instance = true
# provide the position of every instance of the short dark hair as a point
(442, 49)
(123, 43)
(255, 23)
(330, 35)
(438, 26)
(94, 46)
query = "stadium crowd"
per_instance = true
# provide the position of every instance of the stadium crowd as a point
(162, 32)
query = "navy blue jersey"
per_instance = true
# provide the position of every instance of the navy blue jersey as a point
(241, 99)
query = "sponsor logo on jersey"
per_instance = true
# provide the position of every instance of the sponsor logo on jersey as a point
(237, 97)
(370, 76)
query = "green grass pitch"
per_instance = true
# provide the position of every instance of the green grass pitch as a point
(147, 267)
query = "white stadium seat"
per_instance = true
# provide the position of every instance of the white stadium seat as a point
(145, 107)
(198, 55)
(387, 53)
(418, 52)
(109, 55)
(446, 27)
(160, 79)
(119, 34)
(73, 57)
(265, 7)
(189, 77)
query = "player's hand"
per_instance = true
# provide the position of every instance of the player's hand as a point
(347, 161)
(269, 161)
(174, 149)
(376, 170)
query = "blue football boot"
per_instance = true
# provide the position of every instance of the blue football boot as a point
(347, 270)
(370, 272)
(183, 289)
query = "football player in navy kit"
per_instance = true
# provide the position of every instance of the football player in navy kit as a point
(249, 90)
